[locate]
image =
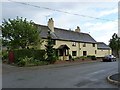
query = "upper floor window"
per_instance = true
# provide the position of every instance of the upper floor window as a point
(84, 44)
(73, 43)
(93, 44)
(54, 42)
(74, 53)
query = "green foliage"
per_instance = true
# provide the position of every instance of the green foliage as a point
(49, 49)
(19, 33)
(77, 58)
(115, 44)
(26, 61)
(83, 57)
(4, 55)
(36, 54)
(93, 57)
(22, 62)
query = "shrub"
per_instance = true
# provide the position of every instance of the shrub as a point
(93, 57)
(4, 55)
(83, 57)
(30, 62)
(22, 62)
(36, 54)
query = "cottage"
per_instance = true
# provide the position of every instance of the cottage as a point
(67, 42)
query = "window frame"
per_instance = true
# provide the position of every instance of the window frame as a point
(74, 53)
(84, 44)
(93, 44)
(73, 43)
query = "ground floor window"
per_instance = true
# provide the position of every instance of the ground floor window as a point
(84, 53)
(74, 53)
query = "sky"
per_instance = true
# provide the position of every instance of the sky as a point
(79, 13)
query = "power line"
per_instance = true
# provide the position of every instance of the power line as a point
(61, 11)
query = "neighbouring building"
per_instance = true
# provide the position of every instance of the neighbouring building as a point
(103, 49)
(74, 43)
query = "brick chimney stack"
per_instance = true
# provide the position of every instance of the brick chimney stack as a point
(78, 29)
(51, 24)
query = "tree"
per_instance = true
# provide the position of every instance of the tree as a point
(50, 49)
(20, 33)
(115, 44)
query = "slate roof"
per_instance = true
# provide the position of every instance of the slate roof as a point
(102, 45)
(63, 34)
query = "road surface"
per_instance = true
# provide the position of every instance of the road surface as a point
(87, 75)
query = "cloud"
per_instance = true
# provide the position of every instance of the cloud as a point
(63, 0)
(101, 31)
(108, 12)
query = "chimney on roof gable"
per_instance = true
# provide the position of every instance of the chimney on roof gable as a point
(51, 24)
(78, 29)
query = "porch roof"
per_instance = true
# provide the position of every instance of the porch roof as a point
(63, 47)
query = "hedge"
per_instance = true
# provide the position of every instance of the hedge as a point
(36, 54)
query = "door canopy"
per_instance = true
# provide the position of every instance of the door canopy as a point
(63, 47)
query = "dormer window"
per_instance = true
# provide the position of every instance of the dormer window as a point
(73, 43)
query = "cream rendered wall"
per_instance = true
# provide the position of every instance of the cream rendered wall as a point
(44, 43)
(69, 44)
(89, 48)
(102, 53)
(79, 47)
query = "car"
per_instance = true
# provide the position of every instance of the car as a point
(109, 58)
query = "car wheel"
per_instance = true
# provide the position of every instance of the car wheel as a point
(110, 60)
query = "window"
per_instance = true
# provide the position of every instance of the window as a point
(93, 44)
(54, 42)
(84, 44)
(74, 53)
(84, 53)
(73, 43)
(95, 51)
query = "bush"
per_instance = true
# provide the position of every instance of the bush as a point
(30, 62)
(36, 54)
(4, 55)
(93, 57)
(21, 63)
(77, 58)
(83, 57)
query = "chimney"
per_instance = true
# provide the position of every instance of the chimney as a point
(51, 24)
(78, 29)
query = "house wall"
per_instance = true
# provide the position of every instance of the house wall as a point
(102, 53)
(79, 47)
(89, 48)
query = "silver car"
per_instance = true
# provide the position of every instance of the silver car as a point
(109, 58)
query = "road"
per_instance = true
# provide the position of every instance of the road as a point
(87, 75)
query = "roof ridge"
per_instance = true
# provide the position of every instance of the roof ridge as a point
(62, 29)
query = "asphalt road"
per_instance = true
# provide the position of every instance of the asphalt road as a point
(88, 75)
